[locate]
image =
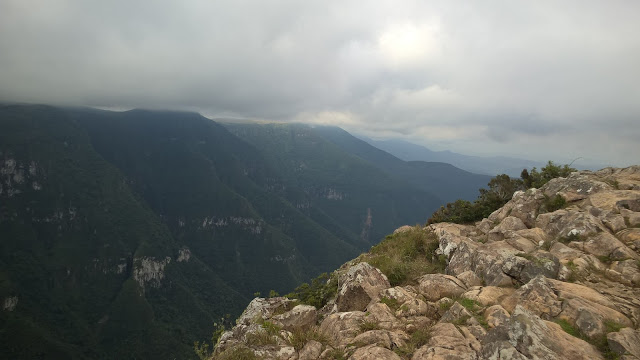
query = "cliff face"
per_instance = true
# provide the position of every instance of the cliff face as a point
(525, 283)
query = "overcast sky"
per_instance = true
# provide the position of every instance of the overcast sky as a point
(535, 79)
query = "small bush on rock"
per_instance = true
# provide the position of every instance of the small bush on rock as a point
(404, 256)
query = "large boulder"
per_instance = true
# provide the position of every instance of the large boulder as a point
(507, 225)
(374, 352)
(537, 296)
(446, 342)
(436, 286)
(577, 186)
(301, 317)
(342, 327)
(488, 295)
(311, 351)
(527, 336)
(361, 285)
(523, 205)
(625, 342)
(525, 267)
(383, 338)
(606, 245)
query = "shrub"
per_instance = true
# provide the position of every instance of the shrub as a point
(300, 337)
(552, 204)
(391, 303)
(418, 339)
(321, 290)
(368, 326)
(500, 191)
(404, 256)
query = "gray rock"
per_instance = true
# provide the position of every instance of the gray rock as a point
(301, 317)
(625, 341)
(535, 338)
(436, 286)
(361, 285)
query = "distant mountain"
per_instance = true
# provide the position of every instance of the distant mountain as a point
(446, 181)
(127, 234)
(476, 164)
(335, 187)
(91, 270)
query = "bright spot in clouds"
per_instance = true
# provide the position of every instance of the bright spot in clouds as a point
(409, 45)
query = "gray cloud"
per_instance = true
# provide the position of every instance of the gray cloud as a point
(539, 79)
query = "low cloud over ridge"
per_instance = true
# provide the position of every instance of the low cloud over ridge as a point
(538, 79)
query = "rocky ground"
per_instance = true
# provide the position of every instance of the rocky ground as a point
(525, 283)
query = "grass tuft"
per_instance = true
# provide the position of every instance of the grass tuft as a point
(405, 256)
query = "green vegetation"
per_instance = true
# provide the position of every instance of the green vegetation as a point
(573, 272)
(368, 326)
(237, 353)
(300, 337)
(419, 338)
(554, 203)
(391, 303)
(612, 326)
(500, 191)
(600, 342)
(266, 335)
(321, 290)
(338, 354)
(568, 328)
(404, 256)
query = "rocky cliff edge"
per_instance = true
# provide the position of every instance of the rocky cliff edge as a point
(524, 283)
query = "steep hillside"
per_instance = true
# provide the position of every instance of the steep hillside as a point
(128, 234)
(336, 187)
(87, 270)
(521, 284)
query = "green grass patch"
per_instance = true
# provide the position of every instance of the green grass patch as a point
(600, 342)
(553, 203)
(568, 328)
(418, 339)
(338, 354)
(267, 335)
(405, 256)
(469, 304)
(391, 303)
(300, 337)
(318, 293)
(368, 326)
(612, 326)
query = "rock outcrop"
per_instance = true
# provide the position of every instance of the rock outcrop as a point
(525, 283)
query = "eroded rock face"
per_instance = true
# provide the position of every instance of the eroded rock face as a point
(149, 271)
(446, 342)
(342, 328)
(374, 352)
(437, 286)
(510, 281)
(301, 317)
(625, 342)
(533, 338)
(361, 284)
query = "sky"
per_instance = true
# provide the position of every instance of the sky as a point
(542, 80)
